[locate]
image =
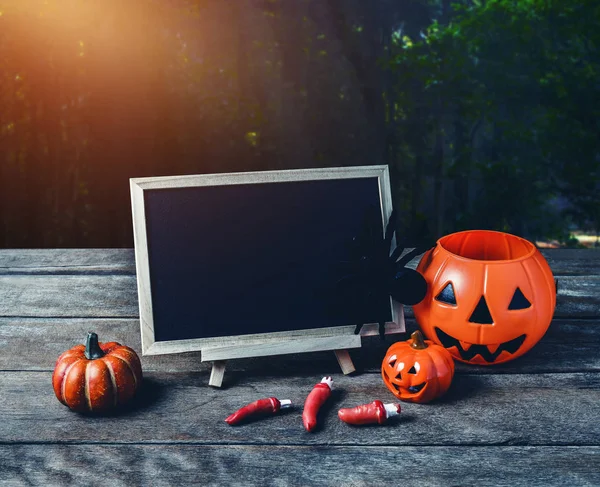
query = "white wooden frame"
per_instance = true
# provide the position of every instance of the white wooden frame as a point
(217, 349)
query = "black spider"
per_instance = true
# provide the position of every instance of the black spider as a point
(373, 273)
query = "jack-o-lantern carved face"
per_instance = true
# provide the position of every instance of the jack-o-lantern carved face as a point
(417, 370)
(490, 298)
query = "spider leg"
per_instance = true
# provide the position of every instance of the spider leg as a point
(389, 230)
(359, 325)
(382, 330)
(344, 278)
(411, 255)
(401, 246)
(364, 301)
(370, 231)
(396, 253)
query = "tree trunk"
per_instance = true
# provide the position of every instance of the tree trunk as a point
(366, 68)
(439, 183)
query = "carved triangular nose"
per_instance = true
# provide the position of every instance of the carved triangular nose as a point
(482, 315)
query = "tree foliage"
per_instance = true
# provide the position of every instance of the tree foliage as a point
(512, 89)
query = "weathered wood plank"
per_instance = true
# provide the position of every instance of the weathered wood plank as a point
(570, 262)
(35, 343)
(167, 465)
(573, 262)
(543, 409)
(113, 296)
(578, 297)
(67, 261)
(68, 296)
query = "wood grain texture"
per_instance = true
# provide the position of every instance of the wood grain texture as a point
(100, 296)
(568, 346)
(263, 344)
(541, 409)
(284, 346)
(144, 293)
(573, 262)
(345, 360)
(265, 177)
(167, 465)
(67, 261)
(217, 373)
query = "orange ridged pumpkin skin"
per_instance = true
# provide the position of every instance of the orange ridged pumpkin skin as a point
(490, 297)
(97, 384)
(417, 370)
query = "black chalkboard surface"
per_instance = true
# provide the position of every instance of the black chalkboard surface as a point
(249, 254)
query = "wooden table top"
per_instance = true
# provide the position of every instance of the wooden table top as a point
(533, 421)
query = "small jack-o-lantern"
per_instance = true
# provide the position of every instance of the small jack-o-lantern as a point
(417, 370)
(490, 297)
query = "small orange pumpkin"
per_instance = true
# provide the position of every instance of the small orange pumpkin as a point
(96, 377)
(417, 370)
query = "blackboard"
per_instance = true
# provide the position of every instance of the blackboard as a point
(247, 255)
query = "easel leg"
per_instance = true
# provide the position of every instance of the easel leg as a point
(217, 373)
(345, 361)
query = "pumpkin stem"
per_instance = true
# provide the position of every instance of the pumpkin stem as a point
(92, 349)
(417, 341)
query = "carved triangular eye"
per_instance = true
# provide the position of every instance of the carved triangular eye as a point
(519, 301)
(447, 295)
(482, 314)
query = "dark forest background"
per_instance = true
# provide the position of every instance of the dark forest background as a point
(487, 112)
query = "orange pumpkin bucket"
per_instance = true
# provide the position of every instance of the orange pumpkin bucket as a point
(490, 298)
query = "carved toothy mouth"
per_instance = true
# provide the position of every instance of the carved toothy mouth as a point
(484, 350)
(417, 388)
(411, 389)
